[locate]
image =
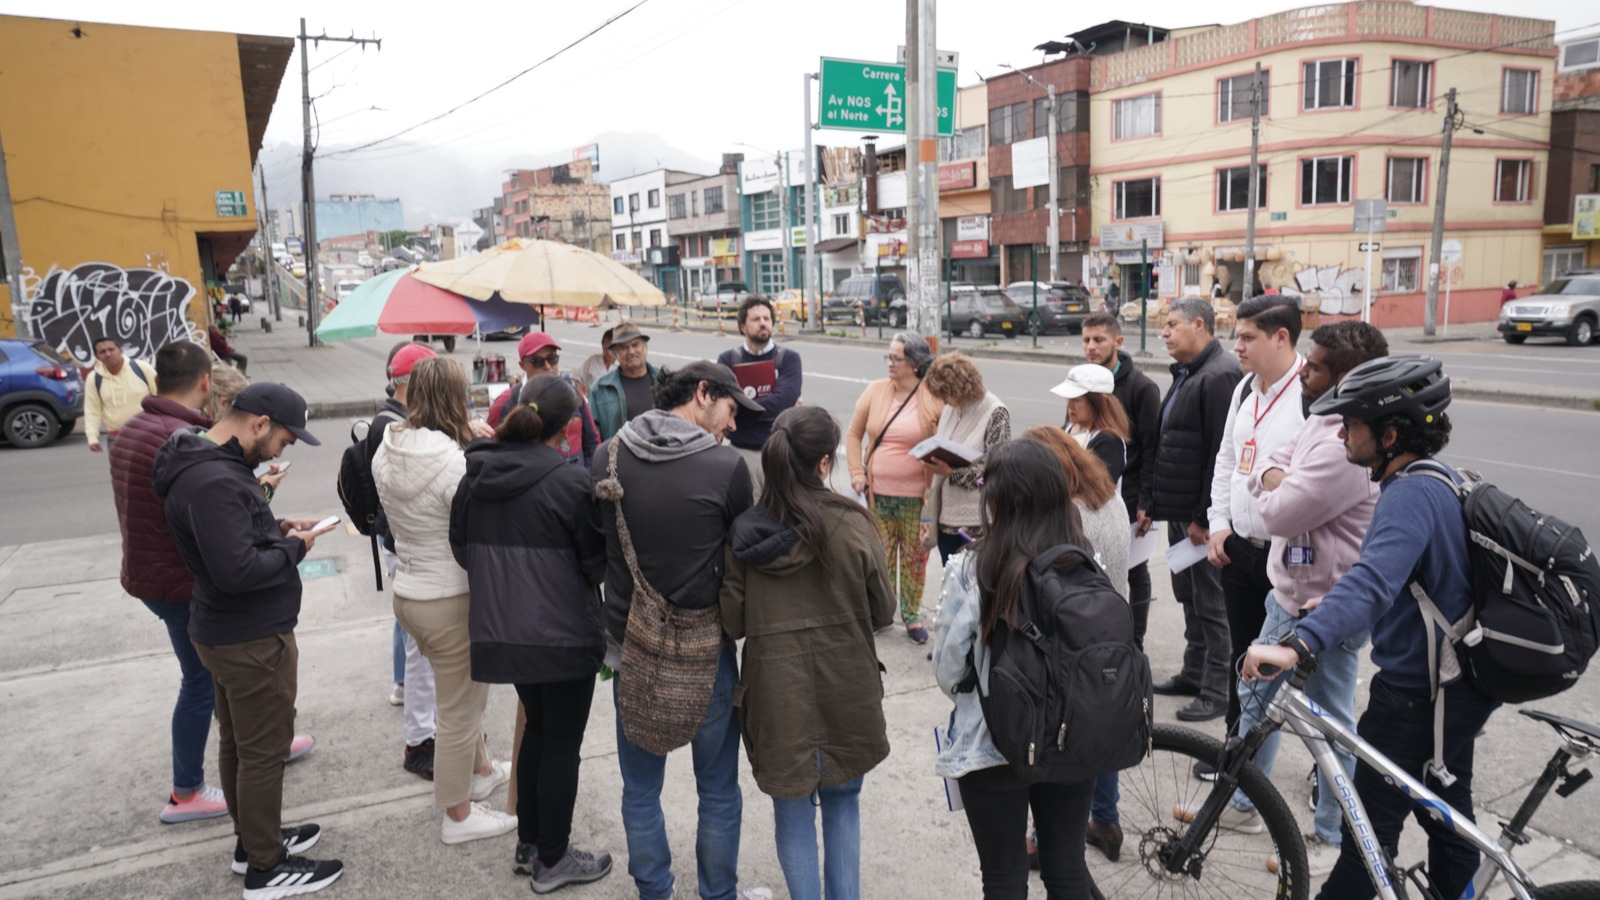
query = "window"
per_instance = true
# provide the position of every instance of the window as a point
(841, 224)
(655, 199)
(675, 208)
(1594, 179)
(1233, 188)
(1007, 124)
(964, 144)
(616, 205)
(1325, 180)
(1330, 84)
(770, 277)
(1000, 195)
(1513, 180)
(1072, 112)
(1411, 84)
(694, 203)
(1233, 96)
(1405, 179)
(1400, 267)
(1138, 199)
(1072, 186)
(713, 200)
(1519, 91)
(1559, 259)
(638, 240)
(1136, 117)
(764, 211)
(633, 203)
(1580, 55)
(655, 237)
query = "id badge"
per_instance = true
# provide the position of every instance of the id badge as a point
(1247, 457)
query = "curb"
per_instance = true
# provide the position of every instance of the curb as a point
(343, 409)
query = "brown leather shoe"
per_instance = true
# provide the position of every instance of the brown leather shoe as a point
(1105, 838)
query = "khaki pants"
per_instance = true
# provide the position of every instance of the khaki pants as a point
(440, 629)
(255, 683)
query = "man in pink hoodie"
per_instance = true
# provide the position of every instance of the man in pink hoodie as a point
(1317, 507)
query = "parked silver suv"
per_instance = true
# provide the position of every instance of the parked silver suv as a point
(1567, 307)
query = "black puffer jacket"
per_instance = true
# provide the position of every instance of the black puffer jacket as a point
(1141, 400)
(526, 527)
(1191, 435)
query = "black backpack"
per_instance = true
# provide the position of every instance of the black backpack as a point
(1535, 622)
(357, 491)
(1069, 691)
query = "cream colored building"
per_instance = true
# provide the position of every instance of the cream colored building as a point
(1354, 106)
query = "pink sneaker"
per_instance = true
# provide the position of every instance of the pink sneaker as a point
(205, 803)
(300, 746)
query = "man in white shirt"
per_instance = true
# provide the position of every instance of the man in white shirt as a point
(1266, 412)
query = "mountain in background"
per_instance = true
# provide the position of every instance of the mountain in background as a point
(437, 184)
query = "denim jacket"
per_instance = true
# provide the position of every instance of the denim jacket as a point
(957, 631)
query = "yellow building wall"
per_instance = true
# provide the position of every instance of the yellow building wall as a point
(116, 144)
(1500, 242)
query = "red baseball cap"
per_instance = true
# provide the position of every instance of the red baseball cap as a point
(533, 342)
(400, 367)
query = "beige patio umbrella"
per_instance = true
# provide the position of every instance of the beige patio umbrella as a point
(541, 273)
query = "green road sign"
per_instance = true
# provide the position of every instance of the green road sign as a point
(869, 96)
(231, 204)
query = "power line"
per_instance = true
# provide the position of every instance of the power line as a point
(591, 33)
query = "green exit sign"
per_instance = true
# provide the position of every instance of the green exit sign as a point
(230, 204)
(870, 96)
(1280, 217)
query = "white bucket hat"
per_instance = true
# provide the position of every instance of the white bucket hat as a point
(1085, 379)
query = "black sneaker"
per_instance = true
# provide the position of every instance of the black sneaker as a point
(576, 867)
(527, 858)
(1205, 771)
(291, 876)
(419, 759)
(296, 840)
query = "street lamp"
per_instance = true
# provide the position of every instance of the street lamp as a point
(1053, 235)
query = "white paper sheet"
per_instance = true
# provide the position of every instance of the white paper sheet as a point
(1144, 549)
(1184, 554)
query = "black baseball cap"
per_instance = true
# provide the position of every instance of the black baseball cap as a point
(722, 377)
(279, 403)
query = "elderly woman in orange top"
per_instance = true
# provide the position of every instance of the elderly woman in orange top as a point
(893, 415)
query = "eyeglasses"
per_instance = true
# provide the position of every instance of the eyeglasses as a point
(893, 360)
(540, 362)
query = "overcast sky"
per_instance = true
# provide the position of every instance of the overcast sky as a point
(702, 74)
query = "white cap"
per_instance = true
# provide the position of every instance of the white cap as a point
(1085, 379)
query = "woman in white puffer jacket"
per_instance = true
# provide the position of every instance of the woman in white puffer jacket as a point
(416, 470)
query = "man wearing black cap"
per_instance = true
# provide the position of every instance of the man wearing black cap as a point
(242, 618)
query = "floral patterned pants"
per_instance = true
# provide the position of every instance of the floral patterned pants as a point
(901, 518)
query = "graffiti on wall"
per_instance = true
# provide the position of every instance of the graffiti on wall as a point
(143, 309)
(1331, 290)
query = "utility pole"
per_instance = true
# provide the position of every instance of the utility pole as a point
(308, 183)
(1430, 318)
(267, 262)
(1255, 187)
(913, 126)
(924, 228)
(812, 294)
(1053, 233)
(11, 248)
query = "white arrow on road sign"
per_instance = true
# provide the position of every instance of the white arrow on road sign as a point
(893, 108)
(1372, 246)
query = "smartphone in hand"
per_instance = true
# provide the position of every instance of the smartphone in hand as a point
(325, 525)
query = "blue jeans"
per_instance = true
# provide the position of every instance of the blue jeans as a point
(1332, 686)
(1103, 808)
(399, 653)
(191, 717)
(715, 749)
(796, 825)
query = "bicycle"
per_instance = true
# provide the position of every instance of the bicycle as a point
(1183, 852)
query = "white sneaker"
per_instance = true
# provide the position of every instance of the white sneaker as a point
(397, 697)
(1232, 818)
(1320, 857)
(481, 822)
(758, 893)
(484, 785)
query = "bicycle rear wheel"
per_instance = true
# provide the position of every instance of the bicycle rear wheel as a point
(1228, 865)
(1568, 890)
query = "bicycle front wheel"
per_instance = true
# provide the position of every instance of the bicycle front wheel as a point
(1568, 890)
(1158, 798)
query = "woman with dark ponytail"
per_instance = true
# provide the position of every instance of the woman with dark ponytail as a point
(807, 585)
(526, 528)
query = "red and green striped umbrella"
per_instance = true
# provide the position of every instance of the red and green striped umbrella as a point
(397, 303)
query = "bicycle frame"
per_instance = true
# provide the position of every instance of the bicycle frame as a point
(1293, 711)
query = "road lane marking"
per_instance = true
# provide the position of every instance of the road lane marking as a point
(1512, 465)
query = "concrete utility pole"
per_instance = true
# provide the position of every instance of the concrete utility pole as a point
(11, 248)
(308, 183)
(813, 296)
(267, 262)
(1255, 187)
(1431, 316)
(1053, 233)
(922, 148)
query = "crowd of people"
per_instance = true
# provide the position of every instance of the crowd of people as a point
(678, 533)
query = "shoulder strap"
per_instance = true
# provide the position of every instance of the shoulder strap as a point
(611, 489)
(873, 447)
(1244, 389)
(98, 380)
(140, 372)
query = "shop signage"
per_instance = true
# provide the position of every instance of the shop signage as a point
(771, 239)
(957, 176)
(1130, 235)
(230, 204)
(893, 248)
(841, 195)
(631, 257)
(969, 250)
(884, 225)
(972, 228)
(724, 246)
(1586, 217)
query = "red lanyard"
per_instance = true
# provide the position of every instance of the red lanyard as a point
(1262, 413)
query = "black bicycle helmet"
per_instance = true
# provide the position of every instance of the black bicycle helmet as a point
(1378, 389)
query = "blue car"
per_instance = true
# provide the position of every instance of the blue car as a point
(41, 393)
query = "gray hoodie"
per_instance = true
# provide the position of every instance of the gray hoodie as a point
(681, 492)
